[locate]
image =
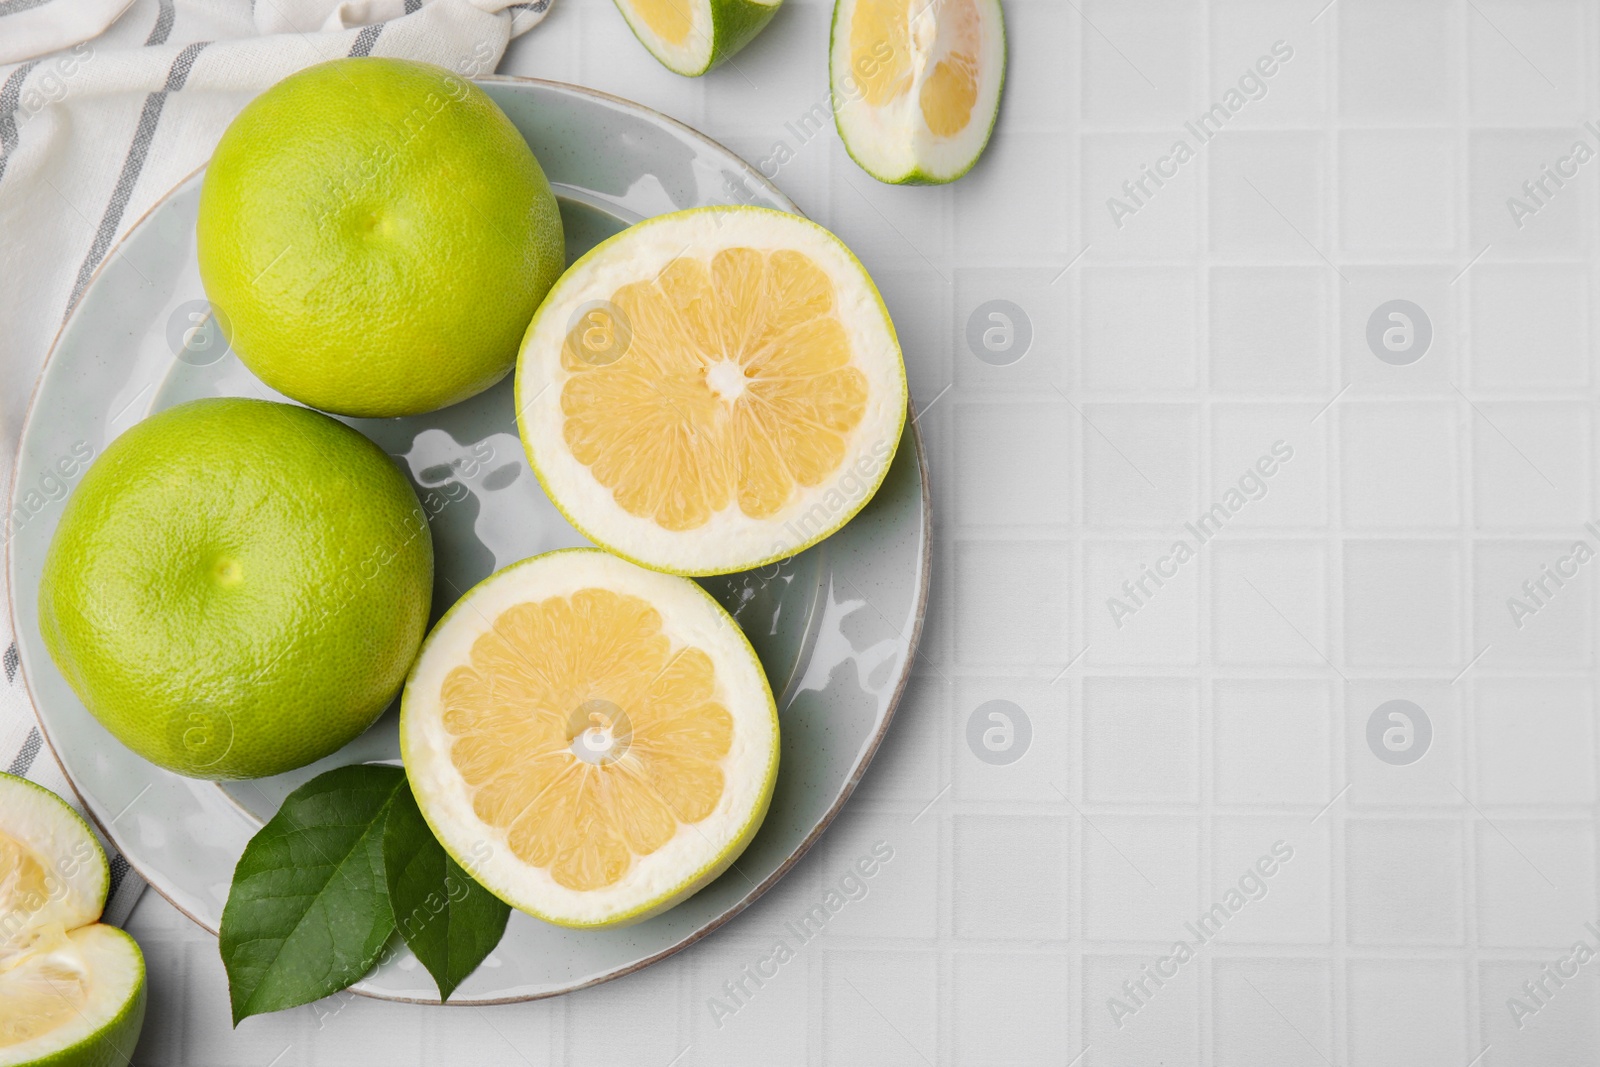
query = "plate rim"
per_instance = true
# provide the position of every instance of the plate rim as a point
(913, 639)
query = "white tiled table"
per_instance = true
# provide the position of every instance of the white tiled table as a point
(1230, 708)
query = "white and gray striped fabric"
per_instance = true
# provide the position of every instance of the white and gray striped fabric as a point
(99, 128)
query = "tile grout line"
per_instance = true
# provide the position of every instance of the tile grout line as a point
(1466, 431)
(1205, 607)
(1338, 992)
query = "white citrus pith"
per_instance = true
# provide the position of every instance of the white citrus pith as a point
(595, 742)
(712, 389)
(916, 84)
(72, 991)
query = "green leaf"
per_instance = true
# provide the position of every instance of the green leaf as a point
(308, 913)
(448, 919)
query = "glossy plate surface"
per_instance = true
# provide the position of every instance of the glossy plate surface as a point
(836, 627)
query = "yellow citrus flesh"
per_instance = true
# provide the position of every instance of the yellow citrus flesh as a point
(42, 990)
(669, 19)
(24, 885)
(737, 385)
(27, 891)
(885, 28)
(581, 733)
(880, 27)
(949, 93)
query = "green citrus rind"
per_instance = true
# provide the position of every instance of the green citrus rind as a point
(238, 587)
(375, 234)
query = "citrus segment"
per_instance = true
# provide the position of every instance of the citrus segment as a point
(604, 730)
(949, 93)
(669, 19)
(729, 372)
(916, 84)
(22, 875)
(881, 28)
(43, 990)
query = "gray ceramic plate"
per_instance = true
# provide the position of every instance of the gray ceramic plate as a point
(836, 627)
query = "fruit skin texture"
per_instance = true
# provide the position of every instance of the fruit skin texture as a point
(376, 234)
(238, 587)
(735, 24)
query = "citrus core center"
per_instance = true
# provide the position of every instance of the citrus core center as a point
(600, 732)
(726, 379)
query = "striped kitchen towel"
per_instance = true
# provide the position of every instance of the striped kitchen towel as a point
(107, 104)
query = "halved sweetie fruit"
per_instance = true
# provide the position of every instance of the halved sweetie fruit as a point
(712, 390)
(916, 84)
(72, 991)
(593, 741)
(690, 37)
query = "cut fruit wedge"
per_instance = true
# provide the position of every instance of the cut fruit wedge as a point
(712, 390)
(53, 872)
(72, 991)
(916, 84)
(690, 37)
(77, 1001)
(593, 741)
